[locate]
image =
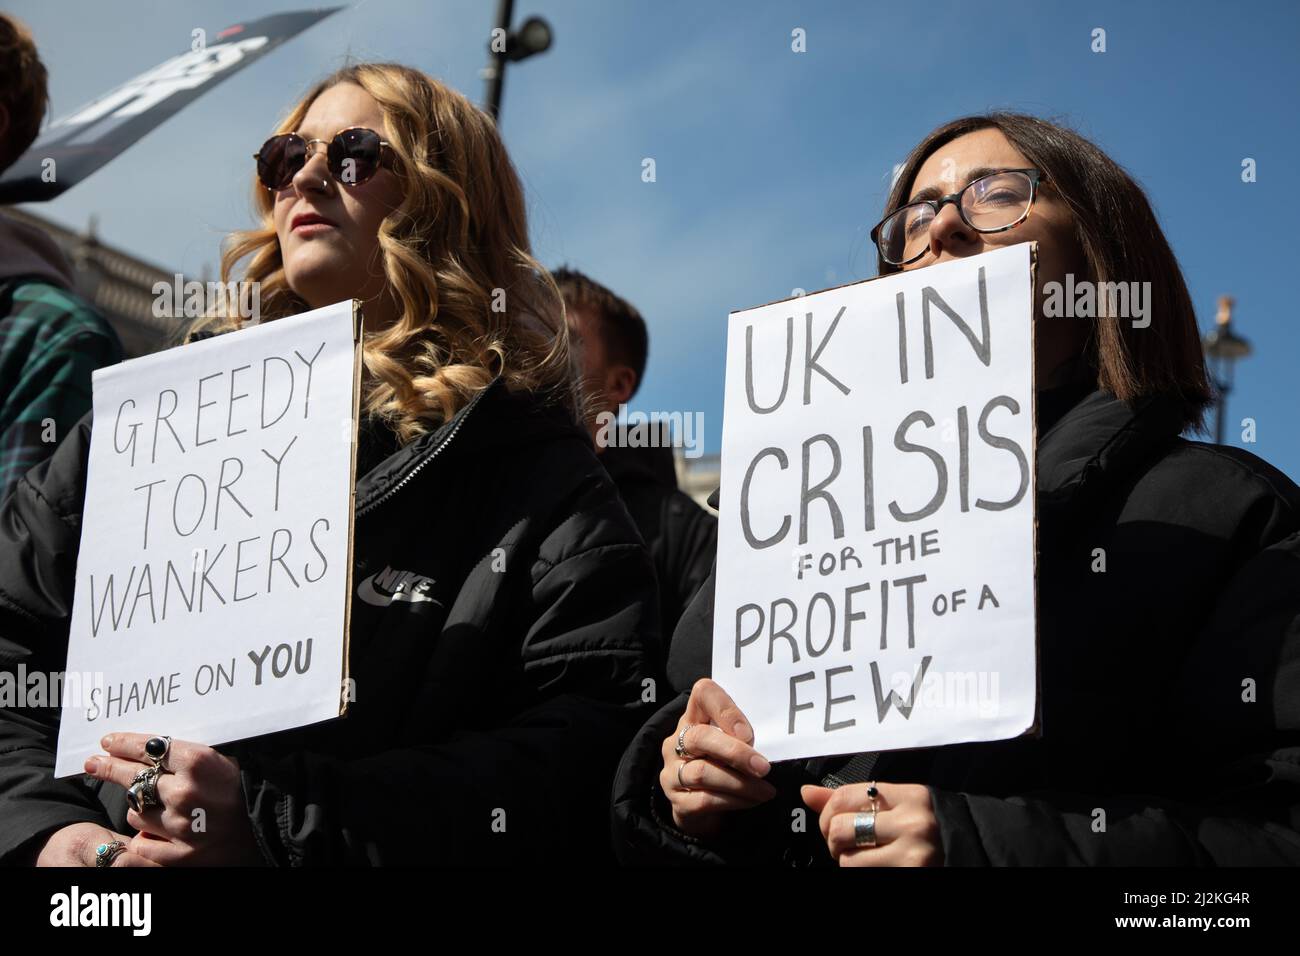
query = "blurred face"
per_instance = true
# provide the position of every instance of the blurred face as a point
(589, 346)
(1058, 341)
(608, 383)
(328, 231)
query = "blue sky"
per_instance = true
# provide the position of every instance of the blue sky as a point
(771, 165)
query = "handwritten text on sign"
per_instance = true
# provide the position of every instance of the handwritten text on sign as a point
(211, 580)
(875, 578)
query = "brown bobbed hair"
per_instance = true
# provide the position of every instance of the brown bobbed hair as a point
(1121, 241)
(24, 96)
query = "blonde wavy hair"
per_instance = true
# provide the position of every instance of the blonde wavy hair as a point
(455, 247)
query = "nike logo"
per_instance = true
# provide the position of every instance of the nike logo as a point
(384, 587)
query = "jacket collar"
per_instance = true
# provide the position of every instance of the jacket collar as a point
(652, 465)
(384, 477)
(1099, 442)
(495, 416)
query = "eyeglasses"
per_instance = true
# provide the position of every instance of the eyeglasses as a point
(993, 203)
(354, 155)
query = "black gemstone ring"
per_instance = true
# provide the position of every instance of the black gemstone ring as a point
(157, 748)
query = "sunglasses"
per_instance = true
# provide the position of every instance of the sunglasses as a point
(354, 155)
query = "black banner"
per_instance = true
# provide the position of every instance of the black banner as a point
(77, 145)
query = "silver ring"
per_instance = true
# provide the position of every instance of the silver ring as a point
(106, 853)
(142, 795)
(680, 783)
(681, 743)
(864, 828)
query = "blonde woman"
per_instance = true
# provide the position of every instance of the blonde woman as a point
(506, 611)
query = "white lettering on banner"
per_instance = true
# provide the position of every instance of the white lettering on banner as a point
(184, 72)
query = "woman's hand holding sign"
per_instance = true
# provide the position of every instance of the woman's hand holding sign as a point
(195, 783)
(710, 769)
(709, 766)
(903, 828)
(84, 844)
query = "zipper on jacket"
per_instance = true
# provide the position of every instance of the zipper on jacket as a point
(405, 479)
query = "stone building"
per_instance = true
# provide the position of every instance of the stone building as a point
(119, 285)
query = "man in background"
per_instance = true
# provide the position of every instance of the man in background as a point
(50, 339)
(612, 344)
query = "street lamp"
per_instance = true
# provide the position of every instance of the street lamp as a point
(533, 36)
(1224, 347)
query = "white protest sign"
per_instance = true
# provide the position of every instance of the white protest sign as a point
(213, 576)
(875, 575)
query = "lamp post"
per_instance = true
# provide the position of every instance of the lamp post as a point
(1224, 347)
(511, 46)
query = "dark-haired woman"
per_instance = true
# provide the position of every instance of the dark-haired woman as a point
(1170, 682)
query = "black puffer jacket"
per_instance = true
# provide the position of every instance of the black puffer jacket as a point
(505, 617)
(681, 535)
(1170, 681)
